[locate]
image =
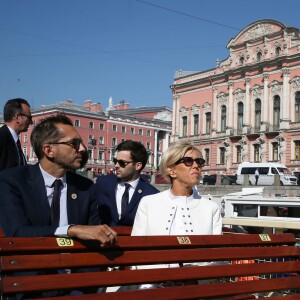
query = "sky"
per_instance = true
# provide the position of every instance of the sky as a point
(54, 50)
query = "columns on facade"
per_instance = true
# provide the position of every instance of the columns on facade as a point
(176, 118)
(216, 119)
(248, 107)
(230, 105)
(265, 112)
(284, 103)
(155, 148)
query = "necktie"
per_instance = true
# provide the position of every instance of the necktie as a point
(125, 200)
(22, 161)
(55, 205)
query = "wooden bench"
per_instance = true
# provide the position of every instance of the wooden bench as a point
(259, 264)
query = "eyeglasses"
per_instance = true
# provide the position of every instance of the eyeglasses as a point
(74, 144)
(29, 117)
(122, 163)
(189, 161)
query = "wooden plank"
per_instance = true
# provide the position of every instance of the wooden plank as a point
(127, 277)
(13, 245)
(120, 258)
(198, 291)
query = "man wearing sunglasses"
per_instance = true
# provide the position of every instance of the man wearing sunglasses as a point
(119, 195)
(49, 198)
(17, 118)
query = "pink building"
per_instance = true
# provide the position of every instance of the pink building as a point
(248, 107)
(102, 131)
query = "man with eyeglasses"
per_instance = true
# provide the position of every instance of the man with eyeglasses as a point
(17, 118)
(49, 198)
(118, 195)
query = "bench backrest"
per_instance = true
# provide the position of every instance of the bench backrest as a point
(247, 257)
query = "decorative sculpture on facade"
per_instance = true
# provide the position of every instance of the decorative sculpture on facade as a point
(244, 148)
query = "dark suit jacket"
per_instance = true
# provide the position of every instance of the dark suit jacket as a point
(25, 209)
(9, 157)
(105, 194)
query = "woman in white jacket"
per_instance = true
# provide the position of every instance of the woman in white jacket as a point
(179, 210)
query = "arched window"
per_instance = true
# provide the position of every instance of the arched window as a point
(277, 51)
(208, 122)
(258, 56)
(297, 107)
(257, 120)
(207, 157)
(240, 117)
(223, 118)
(196, 124)
(276, 112)
(241, 62)
(184, 126)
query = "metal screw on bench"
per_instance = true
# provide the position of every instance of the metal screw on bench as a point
(55, 205)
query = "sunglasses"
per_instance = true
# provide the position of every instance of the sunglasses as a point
(189, 161)
(122, 163)
(74, 144)
(29, 117)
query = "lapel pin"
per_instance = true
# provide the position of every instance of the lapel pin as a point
(139, 191)
(74, 196)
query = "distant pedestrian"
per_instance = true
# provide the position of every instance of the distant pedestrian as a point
(256, 176)
(17, 118)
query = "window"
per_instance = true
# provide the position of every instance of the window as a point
(223, 118)
(277, 51)
(90, 153)
(114, 141)
(241, 61)
(140, 131)
(148, 132)
(257, 116)
(91, 125)
(297, 150)
(123, 129)
(132, 130)
(100, 155)
(114, 128)
(25, 152)
(90, 139)
(196, 124)
(240, 117)
(208, 122)
(206, 157)
(256, 153)
(184, 126)
(222, 155)
(297, 107)
(25, 138)
(238, 154)
(101, 126)
(77, 123)
(275, 151)
(258, 56)
(101, 140)
(148, 146)
(276, 112)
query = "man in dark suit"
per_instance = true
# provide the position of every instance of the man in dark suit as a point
(119, 195)
(17, 118)
(27, 204)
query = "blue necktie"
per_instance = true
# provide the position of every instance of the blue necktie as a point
(125, 200)
(55, 205)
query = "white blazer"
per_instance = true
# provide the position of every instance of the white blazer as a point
(156, 215)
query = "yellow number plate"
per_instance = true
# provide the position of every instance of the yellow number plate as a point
(64, 242)
(183, 240)
(265, 237)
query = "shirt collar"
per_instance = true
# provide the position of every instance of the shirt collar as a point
(13, 133)
(48, 178)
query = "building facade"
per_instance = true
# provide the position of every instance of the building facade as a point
(102, 131)
(248, 107)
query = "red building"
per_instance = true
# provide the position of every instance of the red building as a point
(247, 108)
(102, 131)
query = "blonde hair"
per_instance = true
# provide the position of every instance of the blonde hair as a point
(173, 154)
